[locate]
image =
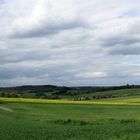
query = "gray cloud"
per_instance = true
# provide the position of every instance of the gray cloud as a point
(120, 40)
(124, 41)
(70, 42)
(47, 30)
(122, 50)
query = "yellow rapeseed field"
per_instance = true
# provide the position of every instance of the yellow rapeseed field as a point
(133, 101)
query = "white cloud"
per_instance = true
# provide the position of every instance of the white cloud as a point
(96, 74)
(47, 17)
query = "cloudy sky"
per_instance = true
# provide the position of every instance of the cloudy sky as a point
(69, 42)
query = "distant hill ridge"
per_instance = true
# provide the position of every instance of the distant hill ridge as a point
(76, 87)
(54, 92)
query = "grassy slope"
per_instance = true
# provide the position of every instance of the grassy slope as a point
(30, 121)
(122, 92)
(134, 91)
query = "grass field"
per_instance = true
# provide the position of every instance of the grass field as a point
(33, 119)
(116, 93)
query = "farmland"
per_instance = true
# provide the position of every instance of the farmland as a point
(73, 93)
(40, 119)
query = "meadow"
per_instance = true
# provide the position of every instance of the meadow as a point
(40, 119)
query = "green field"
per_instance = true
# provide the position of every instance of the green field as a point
(33, 119)
(116, 93)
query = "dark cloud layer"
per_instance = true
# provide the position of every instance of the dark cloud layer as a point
(47, 30)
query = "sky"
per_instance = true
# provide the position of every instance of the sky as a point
(69, 42)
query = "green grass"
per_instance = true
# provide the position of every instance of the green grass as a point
(33, 119)
(120, 93)
(131, 92)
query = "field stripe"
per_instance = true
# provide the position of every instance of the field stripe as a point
(46, 101)
(6, 109)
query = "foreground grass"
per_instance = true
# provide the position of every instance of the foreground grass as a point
(33, 119)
